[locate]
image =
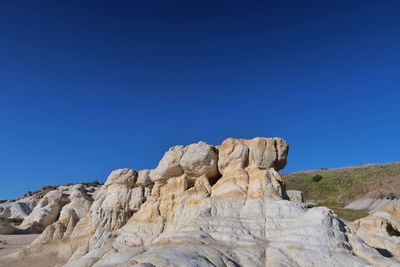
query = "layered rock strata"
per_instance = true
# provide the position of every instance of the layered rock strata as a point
(381, 230)
(204, 206)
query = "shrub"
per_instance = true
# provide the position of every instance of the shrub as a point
(94, 183)
(48, 188)
(15, 221)
(316, 178)
(391, 196)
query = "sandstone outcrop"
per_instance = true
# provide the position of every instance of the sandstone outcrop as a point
(65, 205)
(296, 197)
(19, 209)
(372, 205)
(201, 206)
(381, 230)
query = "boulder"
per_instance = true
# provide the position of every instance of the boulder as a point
(143, 178)
(295, 196)
(46, 212)
(18, 209)
(200, 159)
(126, 177)
(169, 166)
(381, 230)
(372, 205)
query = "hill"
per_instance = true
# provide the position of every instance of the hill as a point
(338, 187)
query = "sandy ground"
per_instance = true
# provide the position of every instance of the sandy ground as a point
(10, 243)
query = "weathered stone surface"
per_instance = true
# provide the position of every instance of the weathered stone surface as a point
(64, 207)
(126, 177)
(19, 209)
(381, 230)
(200, 160)
(46, 212)
(169, 166)
(205, 206)
(295, 196)
(372, 205)
(233, 155)
(194, 160)
(144, 178)
(116, 201)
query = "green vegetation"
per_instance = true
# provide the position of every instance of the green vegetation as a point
(15, 221)
(335, 188)
(347, 214)
(94, 183)
(391, 196)
(316, 178)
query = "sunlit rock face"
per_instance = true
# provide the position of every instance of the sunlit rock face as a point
(19, 209)
(65, 205)
(206, 205)
(381, 230)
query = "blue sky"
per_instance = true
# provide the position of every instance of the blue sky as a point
(90, 86)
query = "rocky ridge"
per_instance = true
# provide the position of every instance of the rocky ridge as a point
(202, 206)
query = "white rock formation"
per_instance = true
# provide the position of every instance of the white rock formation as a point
(296, 197)
(381, 230)
(202, 206)
(372, 205)
(67, 205)
(19, 209)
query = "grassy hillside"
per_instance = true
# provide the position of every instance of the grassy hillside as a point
(337, 187)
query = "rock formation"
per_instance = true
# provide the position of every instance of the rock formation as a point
(19, 209)
(7, 229)
(66, 205)
(381, 230)
(372, 205)
(296, 197)
(201, 206)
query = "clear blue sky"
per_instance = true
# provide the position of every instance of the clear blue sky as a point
(90, 86)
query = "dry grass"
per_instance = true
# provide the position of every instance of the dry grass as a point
(347, 214)
(337, 187)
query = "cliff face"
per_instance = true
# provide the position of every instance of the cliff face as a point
(202, 206)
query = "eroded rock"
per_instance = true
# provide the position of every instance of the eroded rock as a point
(381, 230)
(205, 206)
